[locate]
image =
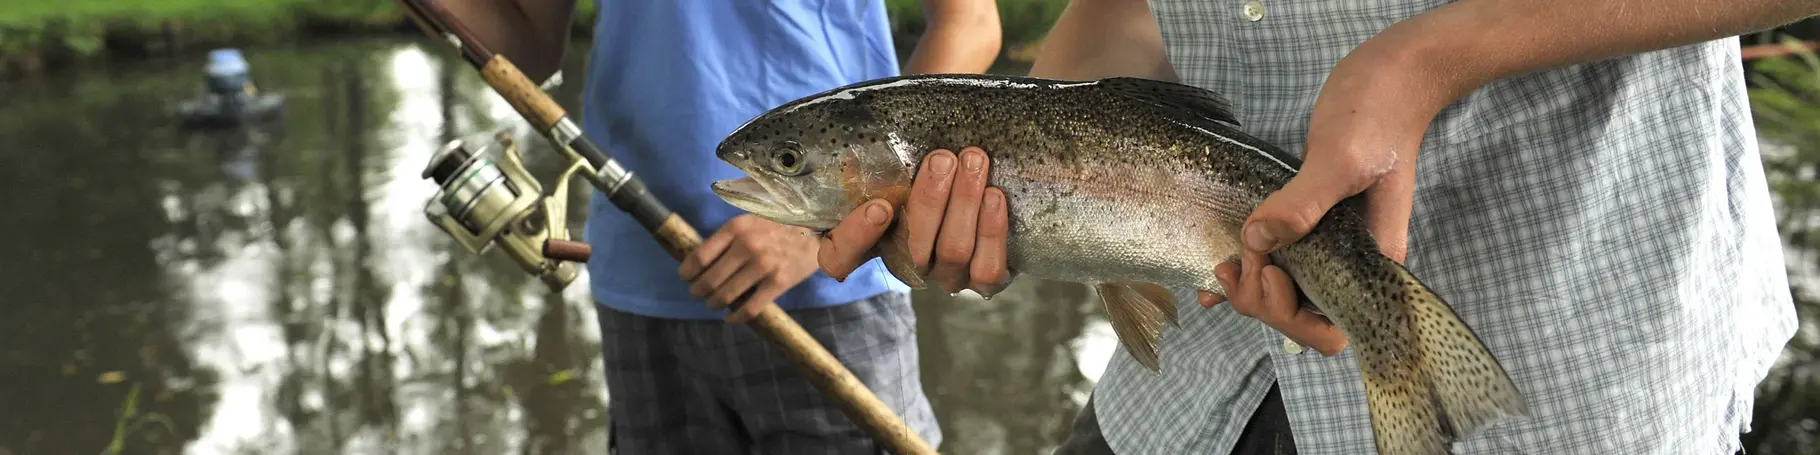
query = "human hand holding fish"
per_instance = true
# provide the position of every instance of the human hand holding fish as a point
(1135, 187)
(749, 259)
(1360, 141)
(955, 223)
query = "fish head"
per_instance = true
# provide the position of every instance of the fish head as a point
(811, 165)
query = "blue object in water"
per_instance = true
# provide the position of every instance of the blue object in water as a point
(231, 99)
(226, 72)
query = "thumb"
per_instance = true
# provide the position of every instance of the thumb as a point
(850, 243)
(1291, 212)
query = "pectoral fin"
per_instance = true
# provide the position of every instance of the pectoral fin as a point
(1138, 312)
(894, 250)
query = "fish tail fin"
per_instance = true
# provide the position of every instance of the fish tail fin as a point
(1138, 312)
(1472, 386)
(1428, 378)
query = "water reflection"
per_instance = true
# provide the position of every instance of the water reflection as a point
(1007, 376)
(277, 290)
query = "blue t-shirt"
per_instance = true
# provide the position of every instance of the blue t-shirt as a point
(667, 80)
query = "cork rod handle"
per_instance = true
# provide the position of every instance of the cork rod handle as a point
(521, 93)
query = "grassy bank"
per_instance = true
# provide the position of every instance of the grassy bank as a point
(36, 35)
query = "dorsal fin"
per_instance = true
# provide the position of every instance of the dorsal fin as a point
(1196, 106)
(1181, 99)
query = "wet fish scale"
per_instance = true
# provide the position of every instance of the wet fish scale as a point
(1128, 185)
(1083, 188)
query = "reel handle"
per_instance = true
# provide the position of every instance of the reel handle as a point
(567, 250)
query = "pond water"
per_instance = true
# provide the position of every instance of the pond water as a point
(278, 290)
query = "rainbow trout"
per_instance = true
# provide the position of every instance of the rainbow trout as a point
(1129, 185)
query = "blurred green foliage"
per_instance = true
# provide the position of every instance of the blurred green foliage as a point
(1024, 21)
(55, 28)
(39, 33)
(1785, 102)
(34, 33)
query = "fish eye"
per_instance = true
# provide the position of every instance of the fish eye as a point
(788, 160)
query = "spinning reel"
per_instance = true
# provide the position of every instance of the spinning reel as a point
(487, 198)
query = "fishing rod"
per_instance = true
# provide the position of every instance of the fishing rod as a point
(484, 201)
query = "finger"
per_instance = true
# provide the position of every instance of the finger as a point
(1302, 326)
(1251, 274)
(850, 243)
(718, 273)
(1241, 299)
(924, 212)
(737, 285)
(765, 293)
(988, 271)
(1243, 289)
(705, 254)
(954, 245)
(748, 311)
(1209, 299)
(1226, 273)
(1390, 202)
(1288, 214)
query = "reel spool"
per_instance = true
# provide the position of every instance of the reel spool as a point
(486, 197)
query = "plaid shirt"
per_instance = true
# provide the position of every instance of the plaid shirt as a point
(1605, 228)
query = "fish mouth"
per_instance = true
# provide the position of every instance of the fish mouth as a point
(747, 194)
(752, 195)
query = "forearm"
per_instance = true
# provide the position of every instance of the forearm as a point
(953, 49)
(534, 34)
(551, 15)
(1464, 45)
(963, 37)
(1095, 39)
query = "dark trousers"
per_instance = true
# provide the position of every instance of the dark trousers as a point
(1267, 433)
(680, 387)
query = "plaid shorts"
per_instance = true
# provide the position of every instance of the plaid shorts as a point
(706, 387)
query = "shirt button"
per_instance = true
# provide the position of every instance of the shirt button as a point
(1292, 347)
(1254, 10)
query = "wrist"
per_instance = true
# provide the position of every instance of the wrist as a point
(1381, 96)
(1428, 61)
(1375, 107)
